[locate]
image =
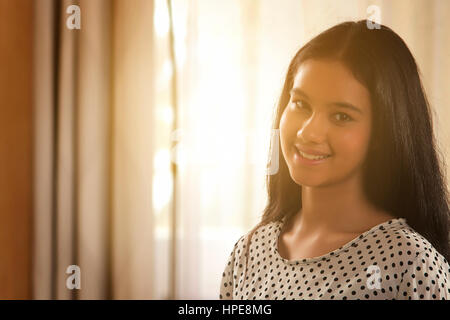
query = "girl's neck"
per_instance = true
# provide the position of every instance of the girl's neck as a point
(340, 208)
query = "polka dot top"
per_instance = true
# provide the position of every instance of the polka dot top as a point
(389, 261)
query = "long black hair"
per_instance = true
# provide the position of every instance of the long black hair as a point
(403, 170)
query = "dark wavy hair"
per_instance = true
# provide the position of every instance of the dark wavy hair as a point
(403, 171)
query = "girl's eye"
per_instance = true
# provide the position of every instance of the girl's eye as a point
(343, 117)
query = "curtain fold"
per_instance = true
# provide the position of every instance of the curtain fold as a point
(93, 150)
(94, 135)
(43, 92)
(132, 151)
(66, 117)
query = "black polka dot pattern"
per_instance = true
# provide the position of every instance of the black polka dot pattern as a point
(389, 261)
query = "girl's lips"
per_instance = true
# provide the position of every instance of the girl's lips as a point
(299, 159)
(310, 151)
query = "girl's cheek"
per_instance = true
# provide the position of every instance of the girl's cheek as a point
(354, 142)
(285, 125)
(283, 134)
(284, 118)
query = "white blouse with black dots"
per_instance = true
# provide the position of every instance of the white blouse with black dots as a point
(389, 261)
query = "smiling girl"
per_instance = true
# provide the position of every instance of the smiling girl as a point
(358, 208)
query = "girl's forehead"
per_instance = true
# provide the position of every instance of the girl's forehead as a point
(326, 81)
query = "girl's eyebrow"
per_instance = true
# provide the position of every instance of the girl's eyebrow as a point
(298, 91)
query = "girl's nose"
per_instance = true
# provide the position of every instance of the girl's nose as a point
(313, 130)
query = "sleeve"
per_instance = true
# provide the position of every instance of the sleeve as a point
(226, 286)
(227, 283)
(427, 278)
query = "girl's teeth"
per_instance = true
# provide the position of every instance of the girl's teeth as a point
(311, 157)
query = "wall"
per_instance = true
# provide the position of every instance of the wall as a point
(15, 148)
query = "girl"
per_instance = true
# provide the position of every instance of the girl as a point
(359, 208)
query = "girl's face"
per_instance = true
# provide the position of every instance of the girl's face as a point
(325, 128)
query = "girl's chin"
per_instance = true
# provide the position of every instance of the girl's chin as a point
(323, 179)
(305, 181)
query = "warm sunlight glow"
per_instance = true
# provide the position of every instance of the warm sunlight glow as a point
(162, 180)
(161, 18)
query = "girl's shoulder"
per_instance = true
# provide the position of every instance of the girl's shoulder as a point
(261, 235)
(425, 272)
(402, 236)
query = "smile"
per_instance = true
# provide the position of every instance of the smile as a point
(312, 157)
(303, 158)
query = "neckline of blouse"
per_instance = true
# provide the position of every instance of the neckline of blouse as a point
(334, 253)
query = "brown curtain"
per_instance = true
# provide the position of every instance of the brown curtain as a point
(93, 102)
